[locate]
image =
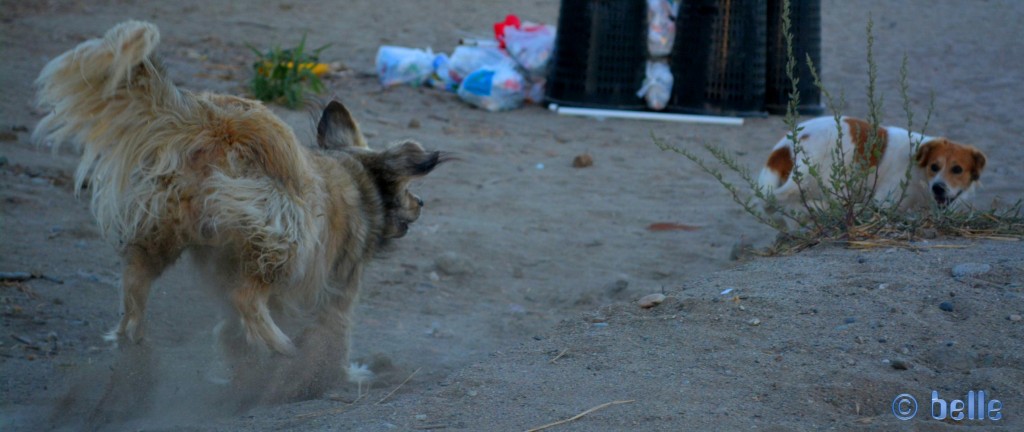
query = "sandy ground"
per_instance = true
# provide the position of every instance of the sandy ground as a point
(512, 265)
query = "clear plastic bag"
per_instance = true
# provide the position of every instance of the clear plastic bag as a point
(442, 76)
(531, 47)
(657, 88)
(661, 26)
(468, 59)
(399, 65)
(494, 88)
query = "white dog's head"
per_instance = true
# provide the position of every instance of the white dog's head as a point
(952, 169)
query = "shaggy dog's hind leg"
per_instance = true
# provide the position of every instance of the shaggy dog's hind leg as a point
(141, 267)
(250, 301)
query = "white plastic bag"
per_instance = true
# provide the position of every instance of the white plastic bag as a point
(661, 26)
(442, 76)
(531, 47)
(657, 88)
(494, 88)
(398, 65)
(468, 59)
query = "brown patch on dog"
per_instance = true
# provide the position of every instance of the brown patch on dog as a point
(781, 162)
(958, 164)
(860, 134)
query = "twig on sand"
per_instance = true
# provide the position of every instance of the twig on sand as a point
(24, 276)
(399, 386)
(331, 411)
(552, 361)
(578, 416)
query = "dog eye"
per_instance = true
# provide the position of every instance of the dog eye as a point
(935, 167)
(957, 169)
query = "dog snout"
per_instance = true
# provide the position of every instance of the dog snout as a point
(939, 190)
(419, 201)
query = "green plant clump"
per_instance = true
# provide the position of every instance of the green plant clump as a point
(284, 75)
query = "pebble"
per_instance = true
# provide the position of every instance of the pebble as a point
(582, 161)
(434, 277)
(754, 322)
(1014, 317)
(414, 124)
(651, 300)
(850, 320)
(616, 288)
(453, 264)
(900, 364)
(970, 269)
(421, 416)
(946, 306)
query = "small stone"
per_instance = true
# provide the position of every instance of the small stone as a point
(582, 161)
(850, 320)
(1014, 317)
(754, 322)
(421, 417)
(434, 276)
(946, 306)
(414, 124)
(900, 364)
(453, 264)
(651, 300)
(472, 393)
(851, 362)
(616, 288)
(970, 269)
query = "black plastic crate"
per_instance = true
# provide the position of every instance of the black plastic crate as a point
(806, 29)
(718, 60)
(600, 54)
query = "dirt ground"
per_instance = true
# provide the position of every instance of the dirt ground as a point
(512, 302)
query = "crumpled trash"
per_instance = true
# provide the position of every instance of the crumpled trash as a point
(657, 88)
(442, 78)
(398, 65)
(661, 26)
(468, 59)
(531, 47)
(494, 88)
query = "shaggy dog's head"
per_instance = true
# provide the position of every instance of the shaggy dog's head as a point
(392, 170)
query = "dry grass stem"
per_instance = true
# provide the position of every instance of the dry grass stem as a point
(399, 386)
(580, 415)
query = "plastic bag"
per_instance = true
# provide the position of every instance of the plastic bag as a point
(661, 26)
(468, 59)
(531, 47)
(398, 65)
(442, 76)
(657, 88)
(494, 88)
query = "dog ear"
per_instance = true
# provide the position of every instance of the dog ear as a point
(924, 152)
(410, 160)
(979, 163)
(337, 129)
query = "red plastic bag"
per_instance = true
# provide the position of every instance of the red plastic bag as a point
(499, 28)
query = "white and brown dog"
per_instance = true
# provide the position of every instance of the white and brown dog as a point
(944, 172)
